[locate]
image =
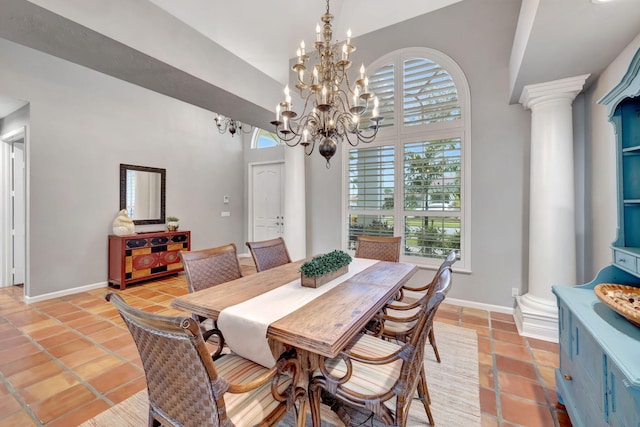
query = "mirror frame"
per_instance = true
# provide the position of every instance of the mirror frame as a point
(123, 191)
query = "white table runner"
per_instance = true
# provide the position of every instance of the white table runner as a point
(244, 325)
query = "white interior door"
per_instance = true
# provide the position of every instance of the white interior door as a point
(267, 201)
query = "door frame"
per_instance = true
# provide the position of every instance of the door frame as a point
(5, 222)
(250, 193)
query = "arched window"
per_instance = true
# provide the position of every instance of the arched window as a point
(412, 181)
(263, 139)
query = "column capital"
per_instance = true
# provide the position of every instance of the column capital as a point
(567, 88)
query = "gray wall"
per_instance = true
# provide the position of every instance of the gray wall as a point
(478, 37)
(82, 125)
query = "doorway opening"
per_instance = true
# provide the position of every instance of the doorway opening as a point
(13, 208)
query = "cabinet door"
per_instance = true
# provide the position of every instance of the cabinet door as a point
(623, 408)
(591, 362)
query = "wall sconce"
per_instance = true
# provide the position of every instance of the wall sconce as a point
(233, 126)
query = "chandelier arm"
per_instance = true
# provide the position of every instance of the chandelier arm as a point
(347, 137)
(368, 138)
(310, 151)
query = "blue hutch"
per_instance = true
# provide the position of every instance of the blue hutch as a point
(599, 376)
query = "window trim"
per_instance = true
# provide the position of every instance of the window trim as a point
(255, 136)
(399, 135)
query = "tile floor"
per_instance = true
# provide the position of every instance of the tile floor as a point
(64, 360)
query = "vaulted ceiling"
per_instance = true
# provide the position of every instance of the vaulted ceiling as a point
(198, 50)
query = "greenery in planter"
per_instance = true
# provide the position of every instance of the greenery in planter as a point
(172, 219)
(326, 263)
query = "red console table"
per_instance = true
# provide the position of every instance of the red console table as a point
(145, 256)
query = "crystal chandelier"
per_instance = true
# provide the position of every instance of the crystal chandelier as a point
(332, 106)
(233, 126)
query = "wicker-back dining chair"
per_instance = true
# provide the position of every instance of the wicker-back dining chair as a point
(399, 317)
(380, 375)
(210, 267)
(269, 253)
(186, 387)
(380, 248)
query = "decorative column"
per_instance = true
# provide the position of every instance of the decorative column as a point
(552, 234)
(295, 225)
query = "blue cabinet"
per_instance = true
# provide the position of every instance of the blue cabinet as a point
(599, 376)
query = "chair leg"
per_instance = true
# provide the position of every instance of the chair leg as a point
(218, 341)
(432, 341)
(423, 393)
(153, 422)
(314, 401)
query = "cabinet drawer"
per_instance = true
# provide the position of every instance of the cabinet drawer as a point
(625, 260)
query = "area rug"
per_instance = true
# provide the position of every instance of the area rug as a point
(453, 386)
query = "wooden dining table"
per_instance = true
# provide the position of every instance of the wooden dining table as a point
(322, 327)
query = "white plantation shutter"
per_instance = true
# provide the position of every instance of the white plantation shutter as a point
(371, 192)
(381, 84)
(371, 177)
(413, 180)
(429, 93)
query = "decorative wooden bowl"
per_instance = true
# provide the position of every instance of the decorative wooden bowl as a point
(624, 300)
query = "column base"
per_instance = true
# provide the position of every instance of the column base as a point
(537, 318)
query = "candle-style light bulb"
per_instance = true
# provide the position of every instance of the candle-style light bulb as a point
(277, 112)
(287, 97)
(324, 94)
(374, 113)
(349, 36)
(318, 32)
(302, 46)
(344, 52)
(366, 85)
(315, 75)
(356, 94)
(305, 134)
(362, 71)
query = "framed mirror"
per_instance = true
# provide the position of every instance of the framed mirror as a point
(142, 193)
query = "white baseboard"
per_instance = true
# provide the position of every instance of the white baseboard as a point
(479, 305)
(57, 294)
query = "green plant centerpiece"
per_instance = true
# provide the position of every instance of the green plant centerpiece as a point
(324, 268)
